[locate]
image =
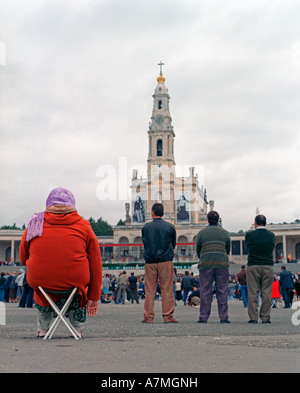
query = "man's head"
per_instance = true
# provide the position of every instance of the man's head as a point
(213, 217)
(283, 268)
(157, 210)
(260, 221)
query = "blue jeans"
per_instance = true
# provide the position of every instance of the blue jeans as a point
(185, 295)
(244, 293)
(27, 297)
(2, 292)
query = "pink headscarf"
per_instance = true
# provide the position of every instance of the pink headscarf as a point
(58, 196)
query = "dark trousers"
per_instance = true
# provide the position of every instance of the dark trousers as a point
(134, 295)
(121, 293)
(185, 294)
(206, 279)
(286, 296)
(27, 297)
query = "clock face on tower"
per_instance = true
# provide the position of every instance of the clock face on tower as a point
(159, 120)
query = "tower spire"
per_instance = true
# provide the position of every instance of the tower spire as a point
(161, 160)
(161, 78)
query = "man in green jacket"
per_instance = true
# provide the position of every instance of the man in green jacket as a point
(123, 279)
(213, 247)
(260, 273)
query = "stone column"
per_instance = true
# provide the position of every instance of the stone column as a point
(284, 248)
(12, 254)
(241, 250)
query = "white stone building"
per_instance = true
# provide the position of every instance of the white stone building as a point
(185, 201)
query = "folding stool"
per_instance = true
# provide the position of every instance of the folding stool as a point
(60, 313)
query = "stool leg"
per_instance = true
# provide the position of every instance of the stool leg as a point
(60, 316)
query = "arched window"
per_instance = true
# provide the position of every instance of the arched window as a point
(159, 104)
(124, 250)
(298, 251)
(159, 148)
(182, 250)
(8, 255)
(138, 251)
(279, 251)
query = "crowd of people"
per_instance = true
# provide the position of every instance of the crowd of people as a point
(60, 252)
(124, 287)
(14, 288)
(186, 286)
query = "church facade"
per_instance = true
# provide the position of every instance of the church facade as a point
(185, 201)
(185, 204)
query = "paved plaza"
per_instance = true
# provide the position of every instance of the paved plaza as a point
(116, 341)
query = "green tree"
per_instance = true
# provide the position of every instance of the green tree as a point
(10, 226)
(101, 227)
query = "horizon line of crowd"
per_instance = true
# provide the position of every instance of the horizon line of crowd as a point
(15, 289)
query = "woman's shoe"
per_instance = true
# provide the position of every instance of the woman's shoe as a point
(41, 333)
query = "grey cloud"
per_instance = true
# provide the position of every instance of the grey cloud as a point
(77, 93)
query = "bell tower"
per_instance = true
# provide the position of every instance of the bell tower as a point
(161, 160)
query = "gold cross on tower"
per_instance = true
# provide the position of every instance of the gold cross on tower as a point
(161, 64)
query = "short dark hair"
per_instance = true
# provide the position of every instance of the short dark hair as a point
(213, 217)
(158, 209)
(260, 219)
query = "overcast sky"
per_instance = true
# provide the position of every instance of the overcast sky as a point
(77, 79)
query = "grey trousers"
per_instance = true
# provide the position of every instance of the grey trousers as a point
(206, 279)
(121, 292)
(259, 278)
(44, 320)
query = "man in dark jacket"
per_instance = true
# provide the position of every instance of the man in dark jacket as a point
(159, 238)
(133, 288)
(242, 279)
(286, 285)
(187, 283)
(260, 273)
(194, 297)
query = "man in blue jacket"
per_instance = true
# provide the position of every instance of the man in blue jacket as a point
(187, 284)
(286, 285)
(159, 238)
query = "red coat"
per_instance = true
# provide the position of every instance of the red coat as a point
(275, 290)
(67, 255)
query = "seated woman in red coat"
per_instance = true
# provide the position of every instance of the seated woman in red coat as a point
(61, 251)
